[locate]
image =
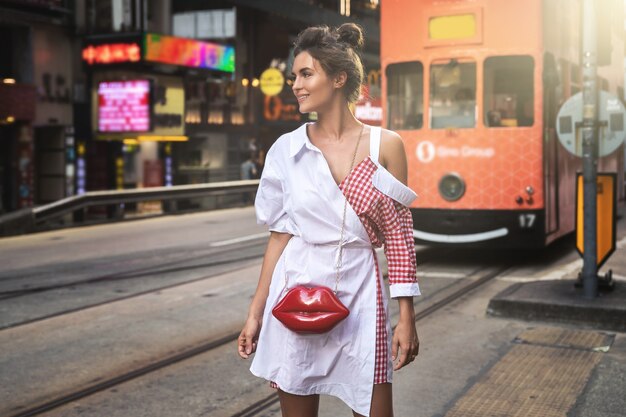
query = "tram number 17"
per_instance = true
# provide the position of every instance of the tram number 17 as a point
(526, 221)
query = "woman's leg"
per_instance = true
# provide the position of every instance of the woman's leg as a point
(382, 402)
(298, 405)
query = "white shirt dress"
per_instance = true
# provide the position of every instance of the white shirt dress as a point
(298, 195)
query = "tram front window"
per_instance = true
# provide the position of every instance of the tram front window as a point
(405, 95)
(452, 94)
(509, 91)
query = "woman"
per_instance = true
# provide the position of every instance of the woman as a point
(307, 179)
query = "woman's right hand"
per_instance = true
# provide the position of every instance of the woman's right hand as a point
(248, 337)
(247, 341)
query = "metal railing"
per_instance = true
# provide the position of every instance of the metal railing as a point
(31, 219)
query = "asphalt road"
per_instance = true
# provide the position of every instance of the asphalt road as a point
(53, 272)
(117, 297)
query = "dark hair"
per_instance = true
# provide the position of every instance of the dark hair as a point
(336, 50)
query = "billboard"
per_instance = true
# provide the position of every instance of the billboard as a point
(124, 106)
(188, 53)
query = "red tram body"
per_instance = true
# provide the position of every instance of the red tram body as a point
(474, 88)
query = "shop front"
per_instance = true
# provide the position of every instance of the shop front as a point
(17, 113)
(53, 131)
(138, 104)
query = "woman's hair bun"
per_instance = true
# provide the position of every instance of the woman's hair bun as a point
(351, 34)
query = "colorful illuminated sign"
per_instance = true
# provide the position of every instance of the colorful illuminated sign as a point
(124, 106)
(112, 53)
(152, 47)
(275, 110)
(272, 82)
(188, 52)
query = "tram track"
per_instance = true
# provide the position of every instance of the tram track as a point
(129, 296)
(162, 268)
(153, 271)
(424, 308)
(141, 273)
(5, 295)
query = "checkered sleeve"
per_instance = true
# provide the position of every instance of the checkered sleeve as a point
(400, 249)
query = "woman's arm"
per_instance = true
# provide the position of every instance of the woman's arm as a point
(405, 339)
(250, 332)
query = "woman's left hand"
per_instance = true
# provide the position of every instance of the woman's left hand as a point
(405, 341)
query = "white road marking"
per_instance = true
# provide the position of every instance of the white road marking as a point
(239, 239)
(562, 272)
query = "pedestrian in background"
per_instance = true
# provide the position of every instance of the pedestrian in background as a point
(259, 162)
(248, 171)
(311, 176)
(248, 167)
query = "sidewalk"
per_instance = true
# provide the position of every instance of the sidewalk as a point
(571, 363)
(558, 300)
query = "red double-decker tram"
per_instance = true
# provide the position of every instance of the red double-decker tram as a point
(474, 88)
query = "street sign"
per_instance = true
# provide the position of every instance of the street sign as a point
(611, 131)
(607, 204)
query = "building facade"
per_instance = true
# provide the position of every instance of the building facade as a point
(113, 94)
(36, 113)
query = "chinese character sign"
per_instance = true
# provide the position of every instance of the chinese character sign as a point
(111, 53)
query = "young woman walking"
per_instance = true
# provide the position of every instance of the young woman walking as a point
(330, 192)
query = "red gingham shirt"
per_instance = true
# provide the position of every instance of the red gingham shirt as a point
(390, 223)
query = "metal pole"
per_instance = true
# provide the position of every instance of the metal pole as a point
(590, 149)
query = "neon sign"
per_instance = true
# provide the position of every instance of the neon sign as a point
(112, 53)
(124, 106)
(188, 52)
(152, 47)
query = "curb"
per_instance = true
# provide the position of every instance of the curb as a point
(559, 301)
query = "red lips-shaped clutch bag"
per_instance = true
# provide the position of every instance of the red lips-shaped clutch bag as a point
(310, 309)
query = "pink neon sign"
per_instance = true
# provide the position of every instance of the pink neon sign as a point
(124, 106)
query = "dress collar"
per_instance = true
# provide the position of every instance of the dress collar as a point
(299, 139)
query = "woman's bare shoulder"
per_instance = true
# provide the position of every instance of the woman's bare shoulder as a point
(393, 155)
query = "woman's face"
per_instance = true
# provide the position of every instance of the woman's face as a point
(312, 86)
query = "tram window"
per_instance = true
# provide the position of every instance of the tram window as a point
(405, 95)
(509, 91)
(452, 94)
